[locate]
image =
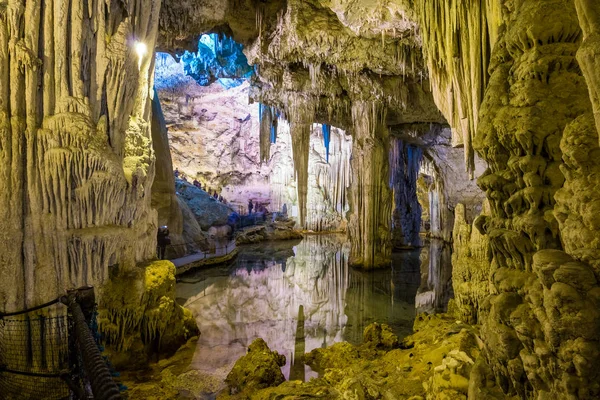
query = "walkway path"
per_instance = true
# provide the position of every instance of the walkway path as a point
(201, 259)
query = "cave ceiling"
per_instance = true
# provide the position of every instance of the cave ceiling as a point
(313, 58)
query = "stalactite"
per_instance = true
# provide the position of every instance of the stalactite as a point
(329, 178)
(458, 38)
(588, 54)
(326, 138)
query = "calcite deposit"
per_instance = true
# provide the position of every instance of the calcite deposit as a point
(351, 104)
(76, 160)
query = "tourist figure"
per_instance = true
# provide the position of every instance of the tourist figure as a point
(284, 210)
(197, 184)
(162, 240)
(215, 195)
(176, 172)
(233, 221)
(220, 198)
(250, 207)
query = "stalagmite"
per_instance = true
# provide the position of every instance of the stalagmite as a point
(300, 147)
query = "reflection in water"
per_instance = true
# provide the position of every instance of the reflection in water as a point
(436, 278)
(298, 296)
(297, 370)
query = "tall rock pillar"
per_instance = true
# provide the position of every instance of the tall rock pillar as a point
(371, 196)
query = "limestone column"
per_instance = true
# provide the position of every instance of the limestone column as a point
(371, 197)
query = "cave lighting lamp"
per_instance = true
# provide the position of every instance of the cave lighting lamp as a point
(141, 49)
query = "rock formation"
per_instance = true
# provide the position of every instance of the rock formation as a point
(517, 81)
(75, 156)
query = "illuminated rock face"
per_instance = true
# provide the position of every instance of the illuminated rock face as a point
(371, 205)
(76, 161)
(534, 122)
(215, 136)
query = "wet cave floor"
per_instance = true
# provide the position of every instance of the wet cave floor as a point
(298, 296)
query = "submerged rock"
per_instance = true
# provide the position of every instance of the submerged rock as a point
(277, 230)
(258, 369)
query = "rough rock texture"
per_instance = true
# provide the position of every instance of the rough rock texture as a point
(76, 162)
(538, 323)
(589, 51)
(424, 366)
(139, 317)
(276, 230)
(206, 209)
(471, 259)
(258, 369)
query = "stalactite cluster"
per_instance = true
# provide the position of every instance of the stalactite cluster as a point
(458, 38)
(75, 152)
(329, 179)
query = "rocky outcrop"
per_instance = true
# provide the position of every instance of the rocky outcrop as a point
(258, 369)
(207, 210)
(422, 367)
(276, 230)
(139, 317)
(471, 262)
(535, 106)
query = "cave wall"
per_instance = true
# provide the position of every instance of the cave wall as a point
(539, 320)
(75, 155)
(405, 161)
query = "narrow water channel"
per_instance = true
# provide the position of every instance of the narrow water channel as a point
(300, 295)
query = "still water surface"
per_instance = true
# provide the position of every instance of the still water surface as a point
(301, 295)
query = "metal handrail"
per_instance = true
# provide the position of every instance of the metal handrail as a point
(103, 386)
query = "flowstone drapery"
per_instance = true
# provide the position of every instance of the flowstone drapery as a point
(75, 153)
(371, 201)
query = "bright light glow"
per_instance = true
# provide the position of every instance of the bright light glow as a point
(141, 49)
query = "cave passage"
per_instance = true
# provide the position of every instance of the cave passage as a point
(143, 142)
